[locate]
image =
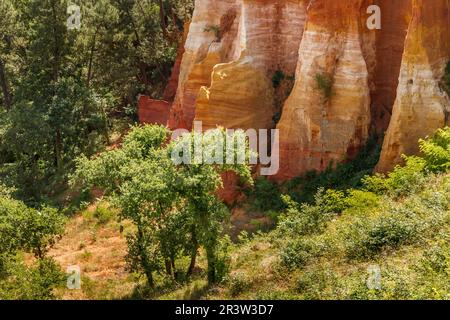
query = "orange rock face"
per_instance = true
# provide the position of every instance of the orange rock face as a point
(203, 50)
(228, 75)
(347, 81)
(389, 47)
(153, 111)
(421, 105)
(241, 93)
(319, 127)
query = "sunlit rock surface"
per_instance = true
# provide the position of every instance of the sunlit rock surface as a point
(421, 105)
(314, 70)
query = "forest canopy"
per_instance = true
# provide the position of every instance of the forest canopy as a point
(61, 89)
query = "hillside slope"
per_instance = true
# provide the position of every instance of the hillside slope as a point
(406, 239)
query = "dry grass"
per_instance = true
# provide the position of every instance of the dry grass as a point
(99, 250)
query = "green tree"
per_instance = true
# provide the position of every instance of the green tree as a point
(174, 207)
(24, 229)
(28, 229)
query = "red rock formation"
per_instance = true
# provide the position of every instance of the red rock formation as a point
(172, 85)
(230, 192)
(389, 47)
(234, 48)
(153, 111)
(421, 105)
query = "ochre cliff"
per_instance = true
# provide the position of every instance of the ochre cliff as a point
(315, 71)
(316, 127)
(421, 105)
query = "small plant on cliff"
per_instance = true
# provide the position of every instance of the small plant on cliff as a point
(277, 78)
(214, 29)
(325, 84)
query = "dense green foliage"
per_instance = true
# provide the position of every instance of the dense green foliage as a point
(325, 249)
(24, 229)
(173, 207)
(61, 87)
(61, 91)
(266, 195)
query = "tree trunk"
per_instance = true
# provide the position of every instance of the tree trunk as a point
(168, 266)
(56, 49)
(58, 150)
(91, 58)
(211, 257)
(5, 89)
(194, 253)
(149, 276)
(144, 259)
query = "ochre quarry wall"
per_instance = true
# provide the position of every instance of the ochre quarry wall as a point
(315, 71)
(385, 69)
(317, 128)
(421, 106)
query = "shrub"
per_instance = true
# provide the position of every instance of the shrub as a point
(360, 200)
(307, 219)
(333, 201)
(238, 283)
(410, 178)
(436, 151)
(403, 180)
(395, 285)
(297, 253)
(367, 237)
(266, 195)
(28, 229)
(317, 284)
(103, 214)
(434, 272)
(345, 176)
(36, 282)
(377, 184)
(146, 138)
(223, 260)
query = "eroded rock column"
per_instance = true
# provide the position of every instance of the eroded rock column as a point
(421, 105)
(241, 94)
(327, 116)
